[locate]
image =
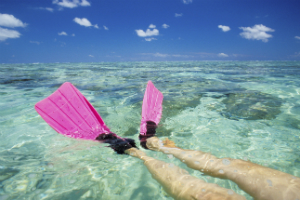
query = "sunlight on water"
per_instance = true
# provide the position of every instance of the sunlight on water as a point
(245, 110)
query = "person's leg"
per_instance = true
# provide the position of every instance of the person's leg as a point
(176, 181)
(258, 181)
(179, 184)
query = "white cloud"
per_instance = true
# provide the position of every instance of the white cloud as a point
(151, 31)
(35, 42)
(71, 3)
(6, 33)
(156, 54)
(224, 28)
(148, 32)
(10, 21)
(178, 14)
(182, 56)
(84, 22)
(73, 34)
(150, 39)
(85, 3)
(297, 37)
(167, 55)
(296, 55)
(165, 26)
(257, 32)
(223, 55)
(160, 55)
(91, 56)
(152, 26)
(187, 1)
(105, 28)
(63, 33)
(66, 3)
(47, 8)
(206, 55)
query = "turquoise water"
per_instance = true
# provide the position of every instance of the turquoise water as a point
(245, 110)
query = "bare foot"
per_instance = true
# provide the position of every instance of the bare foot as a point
(156, 144)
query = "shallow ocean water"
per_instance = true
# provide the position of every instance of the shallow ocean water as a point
(244, 110)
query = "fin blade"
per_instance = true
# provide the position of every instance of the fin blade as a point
(152, 107)
(69, 113)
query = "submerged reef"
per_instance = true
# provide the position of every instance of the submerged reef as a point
(251, 105)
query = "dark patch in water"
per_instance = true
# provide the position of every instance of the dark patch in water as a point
(7, 173)
(89, 87)
(289, 121)
(28, 90)
(130, 132)
(72, 195)
(296, 110)
(44, 183)
(71, 74)
(163, 132)
(27, 80)
(15, 81)
(243, 79)
(173, 106)
(294, 123)
(55, 85)
(144, 191)
(251, 105)
(297, 161)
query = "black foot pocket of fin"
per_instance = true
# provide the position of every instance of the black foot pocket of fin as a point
(131, 142)
(103, 137)
(118, 144)
(151, 130)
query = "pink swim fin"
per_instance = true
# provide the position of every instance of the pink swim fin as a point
(151, 109)
(69, 113)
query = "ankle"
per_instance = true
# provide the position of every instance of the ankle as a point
(154, 143)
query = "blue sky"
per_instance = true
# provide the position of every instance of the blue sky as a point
(49, 31)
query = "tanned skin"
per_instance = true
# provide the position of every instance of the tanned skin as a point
(262, 183)
(179, 184)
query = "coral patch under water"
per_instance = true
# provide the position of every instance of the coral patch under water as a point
(251, 105)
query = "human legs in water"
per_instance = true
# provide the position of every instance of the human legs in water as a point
(176, 181)
(258, 181)
(179, 184)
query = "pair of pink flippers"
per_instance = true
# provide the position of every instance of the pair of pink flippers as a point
(69, 113)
